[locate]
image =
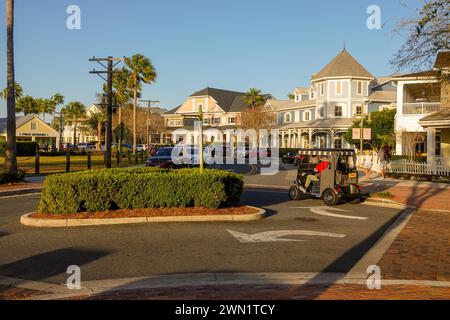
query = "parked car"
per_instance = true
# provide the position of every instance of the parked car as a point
(174, 158)
(141, 147)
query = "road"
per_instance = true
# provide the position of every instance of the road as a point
(144, 250)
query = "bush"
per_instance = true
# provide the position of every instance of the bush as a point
(24, 148)
(137, 188)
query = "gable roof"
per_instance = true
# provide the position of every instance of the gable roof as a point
(343, 65)
(301, 90)
(442, 115)
(20, 121)
(442, 60)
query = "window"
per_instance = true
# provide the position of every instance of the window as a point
(297, 116)
(307, 116)
(207, 120)
(358, 110)
(338, 111)
(287, 117)
(33, 126)
(216, 120)
(312, 96)
(322, 111)
(360, 87)
(339, 87)
(232, 120)
(322, 91)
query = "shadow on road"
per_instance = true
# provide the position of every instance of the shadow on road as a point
(43, 266)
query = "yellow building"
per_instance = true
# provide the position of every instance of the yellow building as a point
(32, 128)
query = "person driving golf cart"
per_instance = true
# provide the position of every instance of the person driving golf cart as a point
(324, 164)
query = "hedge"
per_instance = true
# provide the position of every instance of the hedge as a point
(24, 148)
(137, 188)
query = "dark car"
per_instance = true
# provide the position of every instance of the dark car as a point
(174, 157)
(162, 159)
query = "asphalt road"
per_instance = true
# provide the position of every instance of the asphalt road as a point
(143, 250)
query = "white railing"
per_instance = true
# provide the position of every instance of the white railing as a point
(421, 107)
(413, 167)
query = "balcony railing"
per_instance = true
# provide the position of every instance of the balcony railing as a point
(421, 107)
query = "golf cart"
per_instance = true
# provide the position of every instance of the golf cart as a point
(338, 182)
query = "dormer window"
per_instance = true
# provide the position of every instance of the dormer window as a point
(312, 95)
(298, 97)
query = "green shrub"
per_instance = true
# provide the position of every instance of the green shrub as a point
(136, 188)
(24, 148)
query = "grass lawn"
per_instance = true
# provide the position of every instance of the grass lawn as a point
(58, 164)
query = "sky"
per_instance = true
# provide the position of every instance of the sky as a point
(236, 45)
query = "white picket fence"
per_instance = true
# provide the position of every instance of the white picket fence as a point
(413, 167)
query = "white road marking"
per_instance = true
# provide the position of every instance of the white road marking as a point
(323, 211)
(266, 191)
(277, 236)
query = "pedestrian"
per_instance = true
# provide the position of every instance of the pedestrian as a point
(367, 163)
(383, 158)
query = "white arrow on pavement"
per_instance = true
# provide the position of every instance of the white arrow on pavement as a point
(323, 211)
(277, 236)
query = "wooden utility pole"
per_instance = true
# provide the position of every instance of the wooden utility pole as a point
(109, 105)
(149, 115)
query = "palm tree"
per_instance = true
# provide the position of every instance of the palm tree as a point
(253, 98)
(142, 71)
(10, 165)
(74, 112)
(123, 92)
(18, 92)
(96, 121)
(28, 105)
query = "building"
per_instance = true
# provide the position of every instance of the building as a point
(85, 133)
(32, 128)
(222, 110)
(423, 116)
(338, 95)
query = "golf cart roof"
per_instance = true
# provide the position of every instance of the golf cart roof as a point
(326, 152)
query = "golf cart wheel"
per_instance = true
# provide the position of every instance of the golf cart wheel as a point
(295, 193)
(329, 198)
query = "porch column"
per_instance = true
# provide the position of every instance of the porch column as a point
(299, 138)
(310, 138)
(332, 139)
(290, 139)
(431, 146)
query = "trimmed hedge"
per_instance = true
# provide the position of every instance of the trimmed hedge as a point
(24, 148)
(137, 188)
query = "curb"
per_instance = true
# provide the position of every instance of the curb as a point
(18, 192)
(26, 220)
(55, 291)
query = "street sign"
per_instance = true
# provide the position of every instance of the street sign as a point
(367, 133)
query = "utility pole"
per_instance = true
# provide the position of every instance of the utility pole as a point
(149, 115)
(201, 160)
(109, 108)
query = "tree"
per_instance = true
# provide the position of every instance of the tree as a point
(291, 96)
(10, 165)
(427, 34)
(96, 121)
(18, 92)
(382, 124)
(141, 71)
(253, 98)
(28, 105)
(74, 113)
(123, 92)
(410, 142)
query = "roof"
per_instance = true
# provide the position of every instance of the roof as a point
(442, 60)
(287, 104)
(301, 90)
(421, 74)
(19, 121)
(321, 124)
(343, 65)
(388, 96)
(438, 116)
(228, 101)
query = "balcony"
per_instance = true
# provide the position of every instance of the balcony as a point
(421, 108)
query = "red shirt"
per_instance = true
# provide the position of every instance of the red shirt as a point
(322, 166)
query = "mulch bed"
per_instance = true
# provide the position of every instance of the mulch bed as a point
(154, 212)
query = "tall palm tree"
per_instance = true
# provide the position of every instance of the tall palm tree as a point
(253, 98)
(18, 92)
(74, 112)
(10, 165)
(142, 71)
(123, 92)
(28, 105)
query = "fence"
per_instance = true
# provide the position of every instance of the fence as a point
(411, 167)
(44, 163)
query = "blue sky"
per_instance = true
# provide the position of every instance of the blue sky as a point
(271, 45)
